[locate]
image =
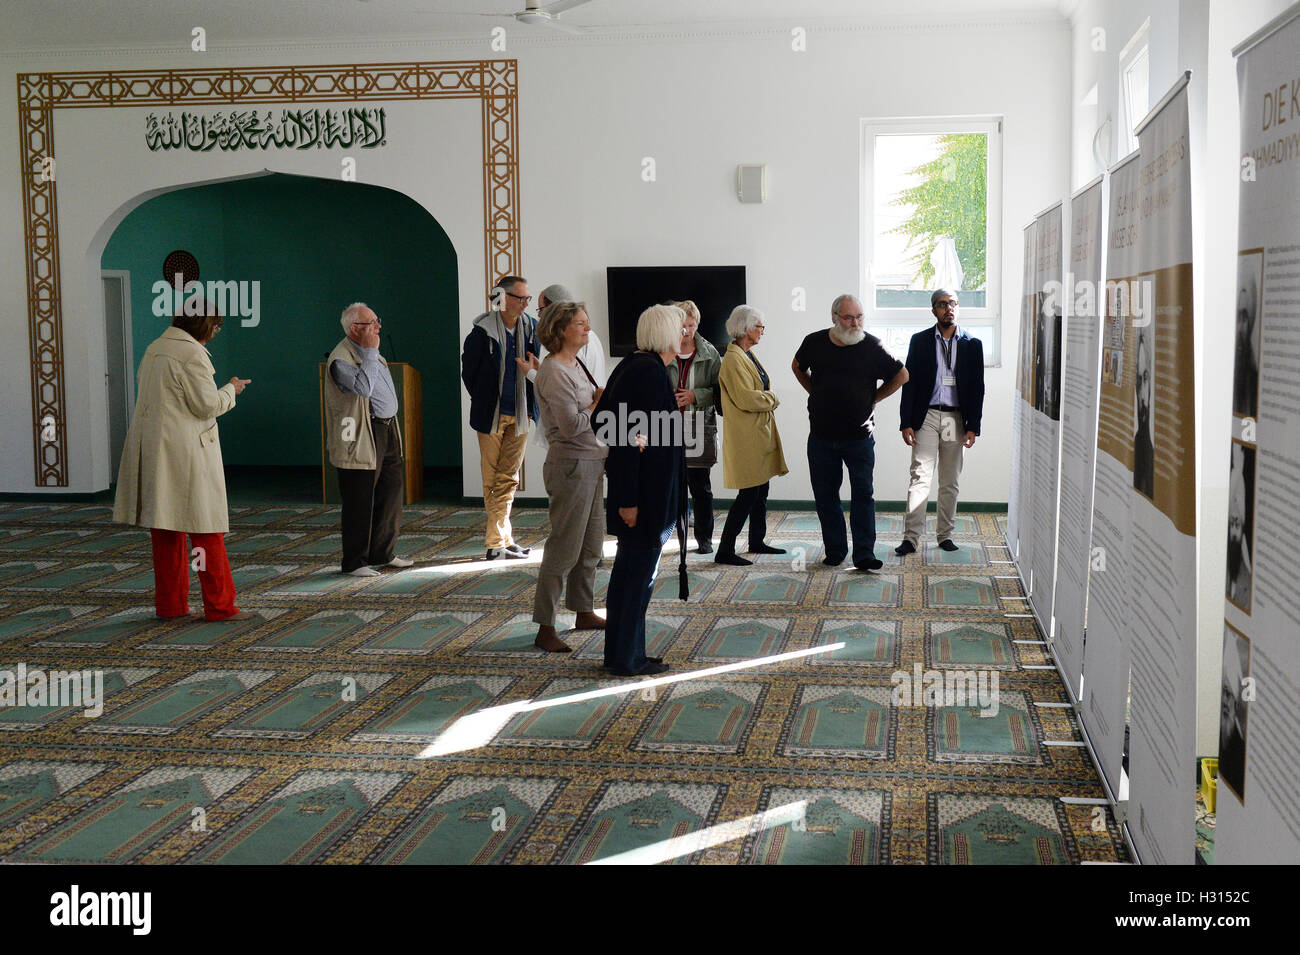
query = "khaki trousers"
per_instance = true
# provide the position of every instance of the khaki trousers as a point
(575, 489)
(500, 455)
(932, 450)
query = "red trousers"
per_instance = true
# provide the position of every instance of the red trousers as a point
(171, 574)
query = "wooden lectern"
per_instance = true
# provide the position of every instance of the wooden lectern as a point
(411, 418)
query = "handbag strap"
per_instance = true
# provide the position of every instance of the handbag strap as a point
(586, 372)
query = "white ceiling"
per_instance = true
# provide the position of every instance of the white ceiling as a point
(106, 24)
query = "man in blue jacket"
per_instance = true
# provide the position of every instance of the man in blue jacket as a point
(941, 407)
(498, 366)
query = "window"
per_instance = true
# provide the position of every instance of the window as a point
(931, 217)
(1135, 84)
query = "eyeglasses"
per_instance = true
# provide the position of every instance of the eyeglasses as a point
(364, 324)
(851, 318)
(945, 303)
(760, 325)
(523, 298)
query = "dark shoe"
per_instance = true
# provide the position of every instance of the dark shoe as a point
(649, 669)
(515, 551)
(589, 621)
(871, 563)
(765, 549)
(830, 561)
(493, 553)
(704, 548)
(732, 559)
(548, 641)
(947, 544)
(905, 548)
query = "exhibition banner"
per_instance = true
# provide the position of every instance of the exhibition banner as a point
(1106, 655)
(1045, 419)
(1258, 811)
(1163, 596)
(1081, 293)
(1019, 515)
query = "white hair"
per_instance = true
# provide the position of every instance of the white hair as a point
(741, 320)
(840, 300)
(659, 329)
(352, 314)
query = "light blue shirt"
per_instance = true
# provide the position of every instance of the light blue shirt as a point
(945, 394)
(371, 380)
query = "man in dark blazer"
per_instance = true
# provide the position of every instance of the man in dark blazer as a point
(942, 403)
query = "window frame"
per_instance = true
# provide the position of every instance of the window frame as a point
(1136, 49)
(990, 315)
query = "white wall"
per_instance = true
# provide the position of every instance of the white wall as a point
(589, 112)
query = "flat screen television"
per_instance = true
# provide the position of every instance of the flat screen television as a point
(715, 290)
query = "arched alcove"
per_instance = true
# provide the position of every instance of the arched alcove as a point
(313, 246)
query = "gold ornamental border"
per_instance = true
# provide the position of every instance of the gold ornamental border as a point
(495, 83)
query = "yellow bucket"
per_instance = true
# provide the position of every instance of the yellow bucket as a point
(1209, 781)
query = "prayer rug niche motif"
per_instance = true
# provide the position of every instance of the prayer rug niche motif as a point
(742, 638)
(564, 715)
(317, 632)
(969, 645)
(831, 827)
(982, 830)
(180, 705)
(305, 708)
(471, 820)
(434, 707)
(976, 729)
(421, 633)
(702, 717)
(866, 643)
(840, 722)
(858, 590)
(25, 718)
(26, 786)
(632, 821)
(125, 825)
(301, 823)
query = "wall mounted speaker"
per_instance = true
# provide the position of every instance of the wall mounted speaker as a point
(751, 182)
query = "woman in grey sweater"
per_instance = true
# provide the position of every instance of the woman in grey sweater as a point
(573, 474)
(694, 377)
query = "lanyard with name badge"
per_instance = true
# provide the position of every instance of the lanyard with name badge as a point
(948, 346)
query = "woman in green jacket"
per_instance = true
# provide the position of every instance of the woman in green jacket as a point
(694, 377)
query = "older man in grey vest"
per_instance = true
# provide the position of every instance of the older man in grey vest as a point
(364, 441)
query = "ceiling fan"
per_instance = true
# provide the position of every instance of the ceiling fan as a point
(533, 13)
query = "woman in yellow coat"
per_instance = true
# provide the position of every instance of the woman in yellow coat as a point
(751, 445)
(171, 479)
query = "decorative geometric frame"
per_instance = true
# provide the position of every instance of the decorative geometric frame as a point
(495, 83)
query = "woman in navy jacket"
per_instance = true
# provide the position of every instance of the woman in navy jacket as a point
(644, 501)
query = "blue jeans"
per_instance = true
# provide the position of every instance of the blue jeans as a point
(826, 463)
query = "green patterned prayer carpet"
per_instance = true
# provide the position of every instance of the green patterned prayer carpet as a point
(407, 718)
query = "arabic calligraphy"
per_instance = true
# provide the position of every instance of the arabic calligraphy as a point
(247, 129)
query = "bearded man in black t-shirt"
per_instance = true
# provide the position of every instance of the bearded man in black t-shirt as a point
(846, 372)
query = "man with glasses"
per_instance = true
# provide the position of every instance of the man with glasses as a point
(364, 440)
(942, 405)
(842, 369)
(498, 366)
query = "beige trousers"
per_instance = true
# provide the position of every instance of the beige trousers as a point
(500, 455)
(939, 442)
(576, 492)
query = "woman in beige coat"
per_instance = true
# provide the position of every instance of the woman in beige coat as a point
(171, 479)
(751, 445)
